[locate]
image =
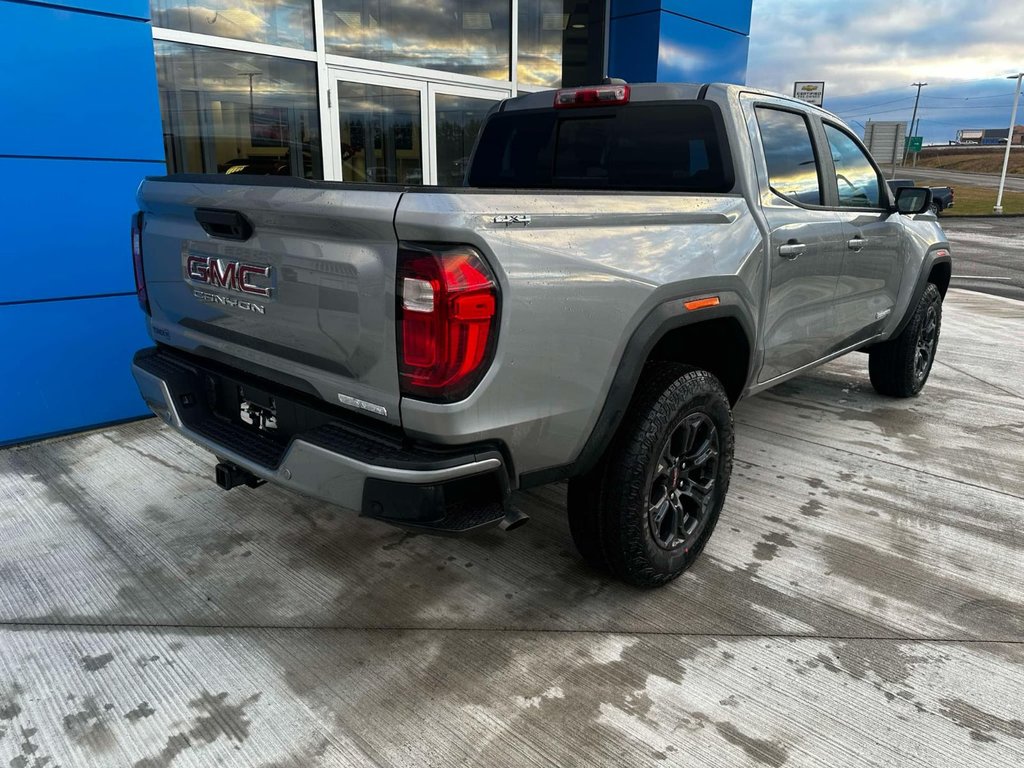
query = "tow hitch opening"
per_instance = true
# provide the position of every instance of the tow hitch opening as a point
(230, 476)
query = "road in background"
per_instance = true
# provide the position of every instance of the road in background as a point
(988, 254)
(941, 177)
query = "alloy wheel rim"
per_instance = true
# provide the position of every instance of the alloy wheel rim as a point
(683, 486)
(926, 340)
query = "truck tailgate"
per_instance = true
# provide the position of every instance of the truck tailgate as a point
(308, 294)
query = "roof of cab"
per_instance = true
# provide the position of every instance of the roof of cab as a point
(658, 92)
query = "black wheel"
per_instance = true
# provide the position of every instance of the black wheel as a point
(935, 208)
(645, 512)
(900, 367)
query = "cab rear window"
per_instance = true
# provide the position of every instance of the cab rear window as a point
(677, 147)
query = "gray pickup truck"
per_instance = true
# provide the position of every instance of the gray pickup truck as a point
(624, 264)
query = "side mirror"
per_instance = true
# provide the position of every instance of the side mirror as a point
(910, 200)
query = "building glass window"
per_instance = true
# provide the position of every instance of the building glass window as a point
(458, 120)
(380, 134)
(233, 112)
(276, 22)
(561, 42)
(470, 37)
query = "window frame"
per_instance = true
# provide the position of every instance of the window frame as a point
(885, 202)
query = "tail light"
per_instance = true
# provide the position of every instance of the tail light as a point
(447, 321)
(596, 96)
(140, 277)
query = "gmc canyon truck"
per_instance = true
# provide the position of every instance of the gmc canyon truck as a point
(624, 265)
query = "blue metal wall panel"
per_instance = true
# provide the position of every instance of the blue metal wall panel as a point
(76, 245)
(66, 365)
(633, 48)
(80, 84)
(77, 85)
(733, 15)
(136, 9)
(689, 52)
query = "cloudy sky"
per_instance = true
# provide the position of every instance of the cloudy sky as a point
(869, 51)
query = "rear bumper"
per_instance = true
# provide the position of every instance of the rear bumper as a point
(339, 459)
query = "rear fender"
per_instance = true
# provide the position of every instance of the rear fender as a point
(662, 321)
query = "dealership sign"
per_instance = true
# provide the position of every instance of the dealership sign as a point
(811, 92)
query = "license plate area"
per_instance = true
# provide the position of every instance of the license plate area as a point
(273, 415)
(262, 417)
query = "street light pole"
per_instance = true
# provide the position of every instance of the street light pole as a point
(912, 119)
(1009, 141)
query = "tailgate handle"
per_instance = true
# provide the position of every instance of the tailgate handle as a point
(229, 225)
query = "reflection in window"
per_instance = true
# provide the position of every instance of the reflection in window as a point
(380, 134)
(458, 122)
(789, 154)
(232, 112)
(470, 37)
(277, 22)
(561, 42)
(857, 179)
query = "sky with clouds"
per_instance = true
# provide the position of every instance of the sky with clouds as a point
(869, 52)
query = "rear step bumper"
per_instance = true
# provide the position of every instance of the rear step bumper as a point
(339, 459)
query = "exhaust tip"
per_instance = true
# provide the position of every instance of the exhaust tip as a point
(514, 519)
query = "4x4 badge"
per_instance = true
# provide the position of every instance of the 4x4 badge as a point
(512, 218)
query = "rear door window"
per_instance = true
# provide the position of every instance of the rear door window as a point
(793, 169)
(670, 147)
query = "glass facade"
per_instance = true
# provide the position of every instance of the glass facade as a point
(470, 37)
(233, 112)
(246, 86)
(276, 22)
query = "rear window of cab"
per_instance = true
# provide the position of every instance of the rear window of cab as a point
(671, 147)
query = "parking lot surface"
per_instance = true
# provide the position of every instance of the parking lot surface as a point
(859, 604)
(988, 254)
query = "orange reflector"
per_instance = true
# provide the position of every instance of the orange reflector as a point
(710, 301)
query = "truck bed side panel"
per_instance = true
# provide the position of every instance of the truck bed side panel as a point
(576, 282)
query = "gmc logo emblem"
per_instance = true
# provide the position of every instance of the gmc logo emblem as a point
(224, 273)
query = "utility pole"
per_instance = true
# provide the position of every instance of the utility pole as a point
(912, 119)
(1009, 141)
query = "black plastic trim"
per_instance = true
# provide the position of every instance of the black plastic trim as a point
(455, 507)
(666, 317)
(930, 260)
(226, 225)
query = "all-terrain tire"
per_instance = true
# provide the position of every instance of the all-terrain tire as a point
(646, 511)
(900, 367)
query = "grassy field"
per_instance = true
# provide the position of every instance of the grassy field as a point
(979, 160)
(978, 201)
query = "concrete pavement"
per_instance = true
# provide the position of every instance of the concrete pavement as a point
(859, 604)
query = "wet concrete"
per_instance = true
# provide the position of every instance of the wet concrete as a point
(861, 603)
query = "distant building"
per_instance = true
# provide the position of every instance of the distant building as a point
(989, 136)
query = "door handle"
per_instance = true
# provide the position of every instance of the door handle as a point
(791, 250)
(856, 244)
